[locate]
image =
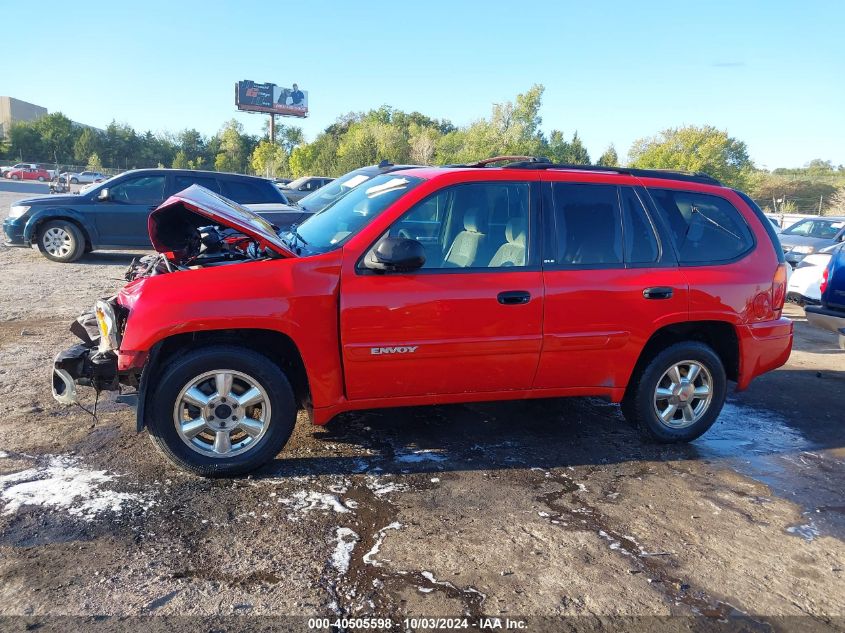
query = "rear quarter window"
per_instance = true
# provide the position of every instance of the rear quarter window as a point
(249, 192)
(704, 228)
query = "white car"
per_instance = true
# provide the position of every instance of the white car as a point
(803, 284)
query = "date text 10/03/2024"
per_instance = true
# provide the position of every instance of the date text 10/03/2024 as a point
(420, 623)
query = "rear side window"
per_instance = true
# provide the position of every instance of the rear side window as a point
(183, 182)
(247, 192)
(589, 226)
(704, 228)
(640, 241)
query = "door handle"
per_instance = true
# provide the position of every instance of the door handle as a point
(514, 297)
(658, 292)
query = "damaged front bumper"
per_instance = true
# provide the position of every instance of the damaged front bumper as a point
(84, 364)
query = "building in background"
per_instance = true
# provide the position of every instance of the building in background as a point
(13, 110)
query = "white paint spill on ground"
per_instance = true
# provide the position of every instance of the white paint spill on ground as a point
(305, 501)
(342, 554)
(3, 454)
(369, 557)
(66, 485)
(416, 457)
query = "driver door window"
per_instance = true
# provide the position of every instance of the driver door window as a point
(148, 190)
(471, 226)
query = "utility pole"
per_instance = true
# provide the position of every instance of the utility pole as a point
(821, 197)
(272, 128)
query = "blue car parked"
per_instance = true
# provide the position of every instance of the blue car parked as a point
(113, 214)
(830, 315)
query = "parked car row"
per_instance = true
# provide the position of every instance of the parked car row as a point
(113, 214)
(82, 177)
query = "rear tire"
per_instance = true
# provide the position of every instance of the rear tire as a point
(61, 241)
(41, 179)
(185, 423)
(74, 181)
(678, 395)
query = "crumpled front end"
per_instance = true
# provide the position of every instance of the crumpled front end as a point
(94, 361)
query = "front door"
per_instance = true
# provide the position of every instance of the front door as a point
(468, 321)
(610, 283)
(122, 219)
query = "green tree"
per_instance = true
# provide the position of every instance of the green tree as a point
(698, 149)
(609, 158)
(25, 142)
(58, 136)
(268, 159)
(231, 154)
(94, 163)
(88, 143)
(180, 161)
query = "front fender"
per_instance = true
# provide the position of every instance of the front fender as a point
(43, 215)
(295, 297)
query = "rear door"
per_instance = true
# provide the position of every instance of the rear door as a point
(468, 321)
(611, 281)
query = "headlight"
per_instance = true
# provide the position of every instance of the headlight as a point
(107, 323)
(804, 249)
(17, 211)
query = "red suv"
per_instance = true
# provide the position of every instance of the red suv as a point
(440, 285)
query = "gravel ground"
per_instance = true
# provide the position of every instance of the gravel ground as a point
(526, 510)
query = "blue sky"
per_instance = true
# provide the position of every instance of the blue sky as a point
(771, 73)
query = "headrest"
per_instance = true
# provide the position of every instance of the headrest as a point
(475, 221)
(515, 231)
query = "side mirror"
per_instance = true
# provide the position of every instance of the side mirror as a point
(104, 194)
(395, 255)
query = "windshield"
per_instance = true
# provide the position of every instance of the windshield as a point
(823, 229)
(330, 228)
(318, 200)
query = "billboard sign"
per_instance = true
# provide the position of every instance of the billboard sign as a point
(252, 96)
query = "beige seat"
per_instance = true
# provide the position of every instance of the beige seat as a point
(512, 252)
(464, 250)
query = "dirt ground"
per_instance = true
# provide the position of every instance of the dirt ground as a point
(530, 511)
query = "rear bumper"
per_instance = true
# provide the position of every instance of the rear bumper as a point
(827, 319)
(762, 347)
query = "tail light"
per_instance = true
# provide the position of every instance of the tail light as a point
(779, 289)
(825, 279)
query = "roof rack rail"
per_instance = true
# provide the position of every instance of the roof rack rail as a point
(669, 174)
(541, 162)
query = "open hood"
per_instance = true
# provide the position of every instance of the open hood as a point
(175, 222)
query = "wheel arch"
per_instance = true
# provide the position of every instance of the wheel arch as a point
(30, 232)
(721, 336)
(277, 346)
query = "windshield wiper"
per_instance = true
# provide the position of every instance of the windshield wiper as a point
(296, 238)
(716, 224)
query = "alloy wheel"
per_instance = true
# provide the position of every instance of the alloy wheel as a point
(683, 394)
(222, 413)
(57, 242)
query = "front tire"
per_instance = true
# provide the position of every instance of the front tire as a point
(61, 241)
(221, 411)
(74, 181)
(41, 179)
(678, 395)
